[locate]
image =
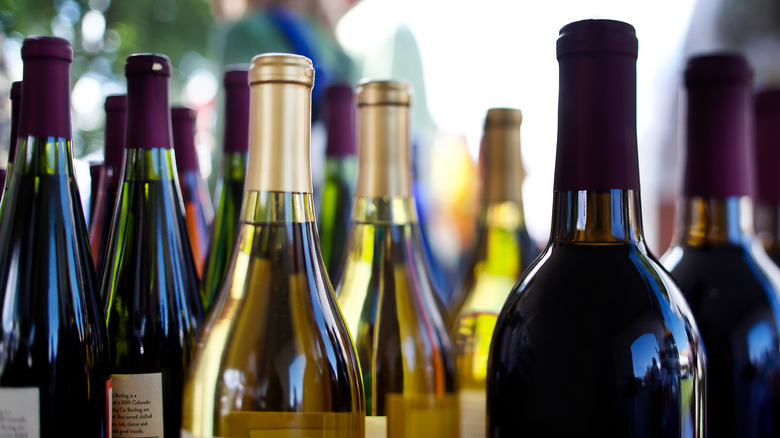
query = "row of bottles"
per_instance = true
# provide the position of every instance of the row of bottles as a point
(258, 331)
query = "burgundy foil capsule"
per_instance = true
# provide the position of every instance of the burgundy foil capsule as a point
(184, 138)
(597, 107)
(115, 130)
(767, 144)
(46, 99)
(147, 101)
(236, 81)
(718, 161)
(339, 117)
(16, 110)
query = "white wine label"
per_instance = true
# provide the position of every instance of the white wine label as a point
(376, 426)
(473, 405)
(137, 406)
(422, 415)
(20, 413)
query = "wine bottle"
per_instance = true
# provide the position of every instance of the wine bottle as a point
(54, 373)
(16, 107)
(595, 338)
(386, 292)
(340, 173)
(503, 251)
(724, 274)
(231, 185)
(94, 179)
(198, 211)
(275, 357)
(767, 158)
(150, 288)
(108, 179)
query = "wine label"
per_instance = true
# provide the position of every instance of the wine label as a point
(20, 413)
(422, 415)
(289, 425)
(137, 406)
(376, 426)
(473, 405)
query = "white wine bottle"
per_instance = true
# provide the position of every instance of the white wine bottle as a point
(275, 357)
(385, 292)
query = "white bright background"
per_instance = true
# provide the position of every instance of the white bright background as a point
(488, 53)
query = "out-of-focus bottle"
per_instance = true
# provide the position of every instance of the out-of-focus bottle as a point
(767, 155)
(275, 358)
(385, 291)
(503, 251)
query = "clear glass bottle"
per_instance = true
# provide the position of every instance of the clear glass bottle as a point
(385, 291)
(503, 251)
(275, 357)
(724, 274)
(230, 187)
(54, 372)
(108, 179)
(340, 174)
(150, 288)
(595, 339)
(198, 210)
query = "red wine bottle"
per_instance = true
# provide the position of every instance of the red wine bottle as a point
(16, 109)
(198, 211)
(595, 339)
(94, 180)
(231, 184)
(150, 288)
(725, 275)
(108, 179)
(54, 373)
(767, 155)
(340, 176)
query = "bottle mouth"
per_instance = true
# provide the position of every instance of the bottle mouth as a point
(501, 117)
(148, 64)
(16, 90)
(597, 36)
(116, 102)
(281, 67)
(718, 68)
(47, 47)
(384, 92)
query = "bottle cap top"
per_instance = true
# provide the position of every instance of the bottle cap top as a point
(339, 117)
(183, 120)
(718, 68)
(116, 102)
(16, 90)
(597, 36)
(503, 117)
(47, 47)
(148, 64)
(385, 92)
(236, 75)
(281, 67)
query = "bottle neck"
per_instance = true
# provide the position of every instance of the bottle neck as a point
(597, 217)
(384, 157)
(264, 207)
(703, 221)
(280, 131)
(147, 165)
(148, 114)
(502, 165)
(44, 156)
(234, 166)
(767, 225)
(46, 99)
(386, 210)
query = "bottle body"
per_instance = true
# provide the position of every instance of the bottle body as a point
(333, 221)
(226, 224)
(103, 211)
(198, 215)
(596, 332)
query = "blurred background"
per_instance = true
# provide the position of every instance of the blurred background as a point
(462, 58)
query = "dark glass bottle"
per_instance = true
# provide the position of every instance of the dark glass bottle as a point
(108, 179)
(16, 109)
(54, 374)
(150, 288)
(198, 211)
(767, 153)
(595, 339)
(275, 358)
(231, 186)
(503, 251)
(726, 277)
(340, 174)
